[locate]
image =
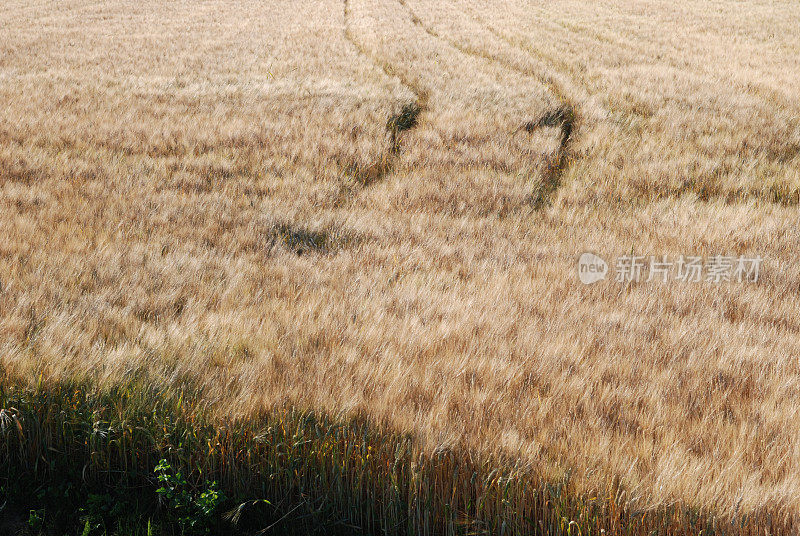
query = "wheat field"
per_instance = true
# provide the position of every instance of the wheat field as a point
(376, 208)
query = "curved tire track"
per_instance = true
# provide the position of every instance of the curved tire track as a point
(565, 117)
(562, 118)
(406, 119)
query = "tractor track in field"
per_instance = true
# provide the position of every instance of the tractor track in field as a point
(564, 117)
(404, 120)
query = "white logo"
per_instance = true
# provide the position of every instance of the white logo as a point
(591, 268)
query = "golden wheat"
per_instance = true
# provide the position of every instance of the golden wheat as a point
(218, 193)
